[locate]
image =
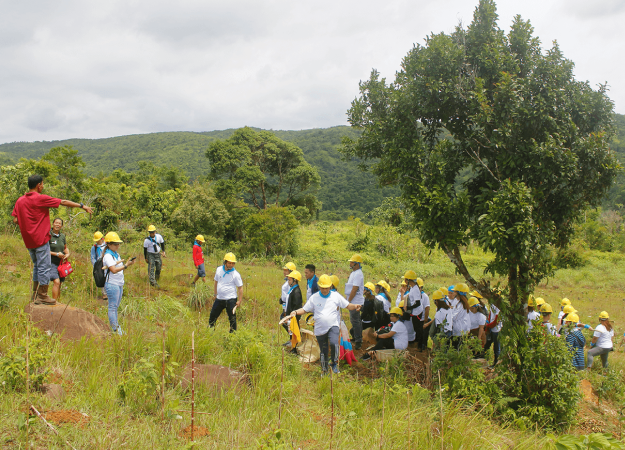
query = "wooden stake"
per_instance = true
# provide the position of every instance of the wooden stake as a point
(192, 383)
(28, 381)
(332, 415)
(163, 379)
(440, 396)
(281, 387)
(383, 406)
(409, 427)
(48, 424)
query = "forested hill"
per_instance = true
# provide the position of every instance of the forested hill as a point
(344, 189)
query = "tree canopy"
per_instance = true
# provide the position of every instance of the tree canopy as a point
(529, 142)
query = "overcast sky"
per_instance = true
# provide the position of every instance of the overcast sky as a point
(78, 68)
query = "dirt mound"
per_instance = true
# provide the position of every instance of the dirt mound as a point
(53, 391)
(69, 416)
(213, 376)
(588, 392)
(74, 323)
(184, 279)
(197, 432)
(368, 339)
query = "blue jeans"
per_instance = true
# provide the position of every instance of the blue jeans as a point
(114, 293)
(42, 266)
(329, 347)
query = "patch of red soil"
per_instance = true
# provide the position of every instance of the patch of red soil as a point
(588, 392)
(197, 432)
(219, 377)
(71, 323)
(66, 416)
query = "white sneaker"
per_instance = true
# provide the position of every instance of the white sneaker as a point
(119, 331)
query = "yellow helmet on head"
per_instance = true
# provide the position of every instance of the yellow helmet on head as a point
(289, 266)
(295, 275)
(420, 282)
(403, 282)
(396, 310)
(335, 281)
(324, 281)
(97, 236)
(473, 301)
(151, 228)
(530, 301)
(112, 238)
(461, 287)
(572, 317)
(230, 257)
(603, 315)
(401, 304)
(200, 238)
(475, 294)
(443, 290)
(539, 301)
(565, 301)
(410, 275)
(437, 295)
(369, 285)
(546, 308)
(356, 258)
(384, 284)
(568, 309)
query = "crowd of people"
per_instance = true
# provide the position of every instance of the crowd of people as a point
(461, 313)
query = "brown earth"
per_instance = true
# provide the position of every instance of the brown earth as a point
(197, 432)
(53, 391)
(74, 322)
(214, 376)
(184, 279)
(68, 416)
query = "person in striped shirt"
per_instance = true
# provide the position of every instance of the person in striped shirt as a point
(575, 340)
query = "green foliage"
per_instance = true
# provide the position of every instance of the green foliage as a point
(69, 166)
(603, 230)
(594, 441)
(528, 140)
(199, 297)
(265, 168)
(569, 257)
(13, 364)
(140, 386)
(5, 300)
(272, 231)
(609, 385)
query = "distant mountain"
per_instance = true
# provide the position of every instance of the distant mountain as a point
(344, 189)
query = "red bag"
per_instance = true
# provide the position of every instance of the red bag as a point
(65, 269)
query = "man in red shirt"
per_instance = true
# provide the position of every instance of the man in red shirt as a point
(198, 258)
(32, 214)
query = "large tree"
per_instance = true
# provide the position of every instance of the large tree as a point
(263, 167)
(491, 140)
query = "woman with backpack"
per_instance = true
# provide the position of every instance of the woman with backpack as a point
(601, 344)
(114, 285)
(97, 250)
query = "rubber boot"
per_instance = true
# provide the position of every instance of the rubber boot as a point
(324, 365)
(42, 296)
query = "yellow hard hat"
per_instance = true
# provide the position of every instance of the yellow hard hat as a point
(531, 301)
(396, 310)
(324, 281)
(604, 315)
(443, 290)
(403, 282)
(151, 228)
(473, 301)
(335, 281)
(461, 287)
(230, 257)
(475, 294)
(199, 238)
(97, 236)
(356, 258)
(369, 285)
(568, 309)
(112, 238)
(539, 301)
(410, 275)
(384, 284)
(420, 282)
(565, 301)
(572, 317)
(295, 275)
(546, 308)
(437, 295)
(401, 304)
(289, 266)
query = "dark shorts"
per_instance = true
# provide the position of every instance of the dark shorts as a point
(54, 273)
(201, 272)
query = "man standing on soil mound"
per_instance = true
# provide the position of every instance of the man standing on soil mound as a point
(32, 214)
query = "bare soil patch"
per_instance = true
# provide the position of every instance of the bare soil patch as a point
(67, 416)
(72, 324)
(197, 432)
(213, 376)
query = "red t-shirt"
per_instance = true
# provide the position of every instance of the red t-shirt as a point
(33, 216)
(198, 256)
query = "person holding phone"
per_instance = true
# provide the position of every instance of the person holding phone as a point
(114, 286)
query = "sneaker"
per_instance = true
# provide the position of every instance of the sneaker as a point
(366, 356)
(335, 368)
(119, 331)
(357, 345)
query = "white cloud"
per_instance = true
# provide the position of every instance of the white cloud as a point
(80, 69)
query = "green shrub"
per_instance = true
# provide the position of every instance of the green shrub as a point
(569, 258)
(5, 300)
(13, 364)
(199, 297)
(272, 231)
(140, 386)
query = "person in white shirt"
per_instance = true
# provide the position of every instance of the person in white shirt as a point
(478, 320)
(382, 291)
(546, 311)
(419, 308)
(114, 285)
(228, 292)
(153, 249)
(401, 293)
(563, 303)
(601, 341)
(532, 315)
(407, 323)
(354, 293)
(396, 338)
(284, 294)
(442, 324)
(326, 308)
(461, 318)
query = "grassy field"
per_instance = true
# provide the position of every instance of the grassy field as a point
(383, 410)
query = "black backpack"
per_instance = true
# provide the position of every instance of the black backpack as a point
(98, 274)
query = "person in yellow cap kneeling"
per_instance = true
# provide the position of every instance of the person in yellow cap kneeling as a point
(601, 344)
(395, 338)
(114, 284)
(354, 293)
(198, 259)
(97, 251)
(326, 308)
(228, 292)
(153, 249)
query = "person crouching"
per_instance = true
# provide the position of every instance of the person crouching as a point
(395, 339)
